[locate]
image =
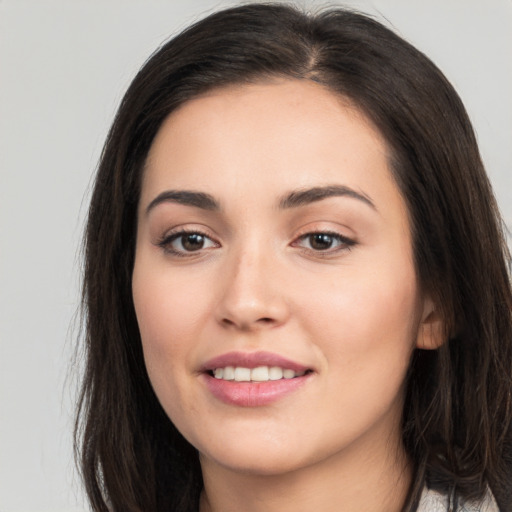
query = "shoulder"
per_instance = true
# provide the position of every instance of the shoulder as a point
(433, 501)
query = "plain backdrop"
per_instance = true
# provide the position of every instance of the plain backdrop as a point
(64, 66)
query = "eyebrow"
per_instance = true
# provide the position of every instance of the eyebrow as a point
(294, 199)
(187, 198)
(311, 195)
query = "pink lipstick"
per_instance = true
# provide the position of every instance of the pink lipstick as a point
(254, 379)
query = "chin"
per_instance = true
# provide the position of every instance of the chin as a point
(260, 456)
(249, 464)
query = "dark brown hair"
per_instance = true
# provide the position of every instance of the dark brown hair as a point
(458, 409)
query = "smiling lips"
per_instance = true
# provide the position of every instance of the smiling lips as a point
(253, 379)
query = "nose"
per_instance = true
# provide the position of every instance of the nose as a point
(251, 297)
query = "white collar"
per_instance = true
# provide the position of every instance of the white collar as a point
(433, 501)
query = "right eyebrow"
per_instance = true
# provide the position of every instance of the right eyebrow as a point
(186, 197)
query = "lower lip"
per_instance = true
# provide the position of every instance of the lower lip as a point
(253, 394)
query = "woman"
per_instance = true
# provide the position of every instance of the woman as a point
(296, 289)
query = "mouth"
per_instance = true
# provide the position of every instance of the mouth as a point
(253, 379)
(258, 374)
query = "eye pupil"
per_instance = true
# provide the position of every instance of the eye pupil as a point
(320, 241)
(192, 242)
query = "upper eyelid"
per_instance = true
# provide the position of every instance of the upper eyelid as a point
(183, 230)
(328, 230)
(324, 232)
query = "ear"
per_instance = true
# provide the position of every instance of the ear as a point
(431, 331)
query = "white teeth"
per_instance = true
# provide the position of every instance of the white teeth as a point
(258, 374)
(229, 373)
(275, 373)
(242, 374)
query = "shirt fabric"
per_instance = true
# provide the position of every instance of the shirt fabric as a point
(433, 501)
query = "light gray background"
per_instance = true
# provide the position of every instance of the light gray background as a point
(64, 66)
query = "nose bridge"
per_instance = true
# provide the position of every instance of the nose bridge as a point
(250, 295)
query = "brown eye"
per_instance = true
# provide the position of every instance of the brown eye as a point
(320, 241)
(186, 242)
(192, 241)
(324, 242)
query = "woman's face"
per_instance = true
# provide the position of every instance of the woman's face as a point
(274, 282)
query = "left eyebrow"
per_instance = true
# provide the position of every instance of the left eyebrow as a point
(311, 195)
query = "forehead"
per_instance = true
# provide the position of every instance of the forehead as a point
(286, 134)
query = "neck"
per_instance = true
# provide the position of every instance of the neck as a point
(343, 483)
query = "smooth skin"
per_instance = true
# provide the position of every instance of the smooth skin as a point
(253, 272)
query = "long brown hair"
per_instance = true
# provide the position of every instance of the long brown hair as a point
(457, 419)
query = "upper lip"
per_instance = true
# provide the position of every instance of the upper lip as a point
(252, 360)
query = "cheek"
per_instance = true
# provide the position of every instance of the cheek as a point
(366, 321)
(168, 311)
(168, 318)
(365, 331)
(169, 315)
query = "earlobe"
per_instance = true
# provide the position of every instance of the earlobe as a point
(431, 331)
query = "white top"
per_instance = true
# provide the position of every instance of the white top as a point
(433, 501)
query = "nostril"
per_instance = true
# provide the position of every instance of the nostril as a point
(246, 325)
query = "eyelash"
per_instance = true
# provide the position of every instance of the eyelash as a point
(345, 244)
